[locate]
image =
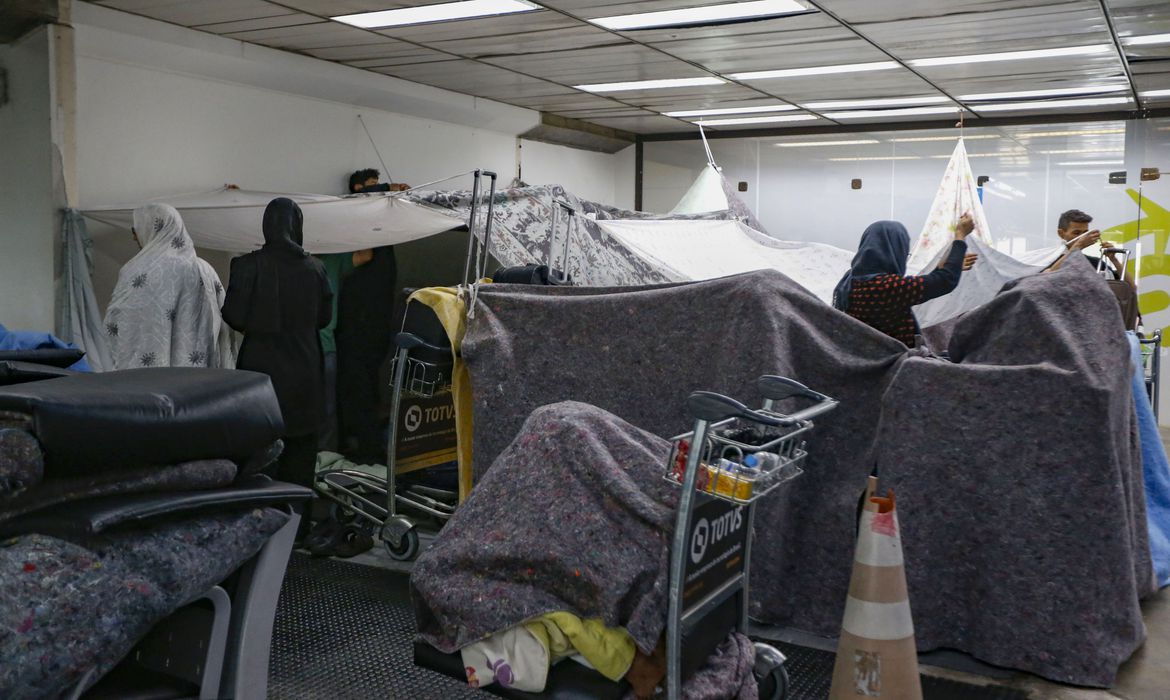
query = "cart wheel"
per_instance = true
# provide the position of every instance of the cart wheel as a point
(402, 530)
(770, 673)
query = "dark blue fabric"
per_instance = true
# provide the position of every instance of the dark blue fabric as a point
(884, 248)
(1155, 470)
(30, 340)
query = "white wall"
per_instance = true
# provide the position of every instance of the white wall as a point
(27, 218)
(164, 110)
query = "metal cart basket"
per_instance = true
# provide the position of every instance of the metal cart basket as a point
(734, 457)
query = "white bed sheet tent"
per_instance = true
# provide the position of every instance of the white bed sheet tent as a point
(230, 219)
(958, 194)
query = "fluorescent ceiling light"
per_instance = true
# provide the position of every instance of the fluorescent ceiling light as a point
(1054, 92)
(878, 158)
(442, 12)
(1146, 40)
(1086, 132)
(815, 70)
(730, 110)
(1003, 154)
(1013, 55)
(1056, 104)
(1092, 162)
(913, 111)
(884, 102)
(803, 144)
(1066, 151)
(701, 15)
(757, 120)
(649, 84)
(968, 137)
(1156, 93)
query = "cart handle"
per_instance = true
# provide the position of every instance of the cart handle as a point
(711, 407)
(776, 388)
(410, 341)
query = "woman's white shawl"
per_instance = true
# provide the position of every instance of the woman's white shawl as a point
(165, 311)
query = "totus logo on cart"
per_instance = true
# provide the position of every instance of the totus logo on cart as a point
(710, 532)
(413, 419)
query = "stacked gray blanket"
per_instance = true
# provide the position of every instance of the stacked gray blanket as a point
(1016, 469)
(72, 608)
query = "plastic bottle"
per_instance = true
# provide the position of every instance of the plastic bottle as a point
(767, 461)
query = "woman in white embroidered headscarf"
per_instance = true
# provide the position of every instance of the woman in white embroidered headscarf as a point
(165, 311)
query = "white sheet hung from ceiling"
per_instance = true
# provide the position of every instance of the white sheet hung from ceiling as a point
(706, 249)
(230, 220)
(705, 194)
(958, 194)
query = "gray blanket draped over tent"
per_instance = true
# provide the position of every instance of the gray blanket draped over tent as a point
(1016, 467)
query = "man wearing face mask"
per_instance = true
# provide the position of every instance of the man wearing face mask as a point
(357, 341)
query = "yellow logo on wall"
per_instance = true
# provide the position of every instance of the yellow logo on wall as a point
(1154, 282)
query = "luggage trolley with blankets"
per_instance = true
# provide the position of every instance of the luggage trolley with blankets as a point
(711, 551)
(421, 376)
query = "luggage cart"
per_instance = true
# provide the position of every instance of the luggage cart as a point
(711, 550)
(1151, 348)
(422, 367)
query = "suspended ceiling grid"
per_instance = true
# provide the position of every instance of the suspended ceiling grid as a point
(534, 59)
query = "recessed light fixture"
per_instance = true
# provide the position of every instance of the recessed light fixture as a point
(757, 120)
(1146, 40)
(1055, 92)
(966, 137)
(1055, 104)
(442, 12)
(1085, 132)
(804, 144)
(883, 102)
(649, 84)
(815, 70)
(996, 154)
(1069, 151)
(870, 113)
(1156, 93)
(701, 15)
(731, 110)
(1089, 50)
(1092, 162)
(877, 158)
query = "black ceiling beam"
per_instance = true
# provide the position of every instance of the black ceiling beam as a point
(970, 123)
(1137, 100)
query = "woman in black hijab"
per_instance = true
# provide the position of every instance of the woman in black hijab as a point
(279, 297)
(876, 291)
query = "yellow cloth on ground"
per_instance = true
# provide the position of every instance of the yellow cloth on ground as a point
(609, 650)
(452, 313)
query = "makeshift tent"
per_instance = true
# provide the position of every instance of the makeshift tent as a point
(712, 192)
(957, 195)
(229, 219)
(699, 250)
(79, 319)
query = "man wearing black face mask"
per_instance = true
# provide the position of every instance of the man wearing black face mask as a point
(279, 298)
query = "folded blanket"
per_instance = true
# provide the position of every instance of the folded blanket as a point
(71, 608)
(574, 516)
(202, 474)
(22, 463)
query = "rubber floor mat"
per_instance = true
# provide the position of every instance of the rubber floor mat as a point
(810, 674)
(345, 631)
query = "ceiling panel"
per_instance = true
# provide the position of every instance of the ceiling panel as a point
(1140, 17)
(816, 47)
(474, 79)
(609, 8)
(333, 8)
(886, 83)
(569, 101)
(861, 12)
(569, 38)
(386, 51)
(777, 27)
(605, 113)
(308, 36)
(245, 25)
(645, 125)
(600, 65)
(192, 12)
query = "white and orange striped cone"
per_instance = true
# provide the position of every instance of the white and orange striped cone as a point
(876, 656)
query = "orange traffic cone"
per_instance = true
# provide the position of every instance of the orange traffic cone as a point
(876, 656)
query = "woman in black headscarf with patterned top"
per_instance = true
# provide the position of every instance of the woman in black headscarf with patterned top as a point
(876, 289)
(279, 297)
